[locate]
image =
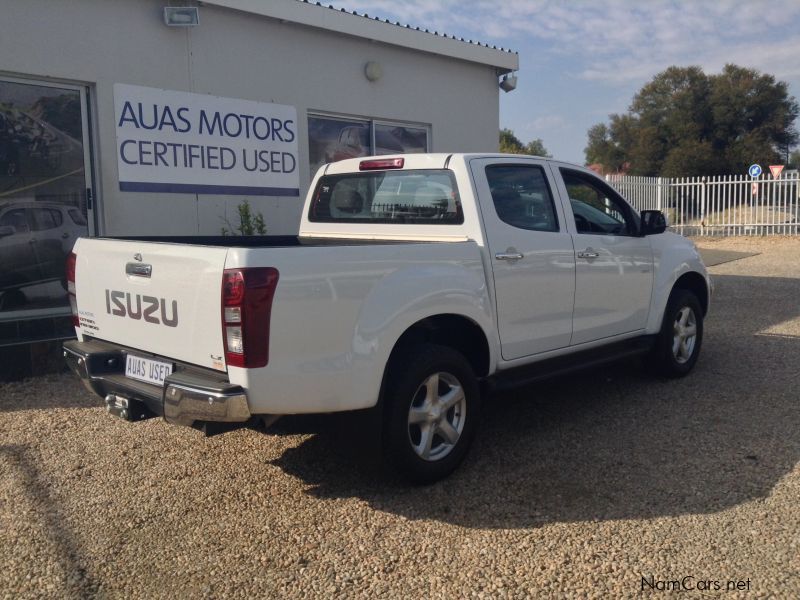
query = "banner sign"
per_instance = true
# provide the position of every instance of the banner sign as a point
(170, 141)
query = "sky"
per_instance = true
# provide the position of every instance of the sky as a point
(583, 60)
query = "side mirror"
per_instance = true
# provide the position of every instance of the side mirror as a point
(6, 230)
(653, 222)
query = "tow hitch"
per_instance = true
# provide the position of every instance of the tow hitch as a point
(126, 408)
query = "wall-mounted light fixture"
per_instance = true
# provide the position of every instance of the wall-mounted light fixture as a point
(508, 82)
(373, 71)
(181, 16)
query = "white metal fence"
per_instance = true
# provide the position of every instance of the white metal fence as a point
(719, 205)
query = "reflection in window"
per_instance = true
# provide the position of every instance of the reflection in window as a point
(46, 218)
(331, 139)
(42, 183)
(15, 219)
(394, 139)
(77, 217)
(522, 197)
(596, 210)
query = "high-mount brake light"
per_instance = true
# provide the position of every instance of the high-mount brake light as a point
(246, 309)
(381, 163)
(72, 261)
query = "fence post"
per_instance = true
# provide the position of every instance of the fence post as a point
(703, 204)
(659, 202)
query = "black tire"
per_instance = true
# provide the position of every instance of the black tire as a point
(664, 359)
(403, 441)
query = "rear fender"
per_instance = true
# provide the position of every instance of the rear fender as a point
(409, 296)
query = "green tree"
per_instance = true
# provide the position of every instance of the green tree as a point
(689, 156)
(511, 144)
(601, 149)
(536, 148)
(685, 122)
(753, 113)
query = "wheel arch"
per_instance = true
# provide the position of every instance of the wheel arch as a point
(452, 330)
(694, 282)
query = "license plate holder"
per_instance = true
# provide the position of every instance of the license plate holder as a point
(147, 370)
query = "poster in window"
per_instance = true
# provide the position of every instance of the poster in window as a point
(396, 139)
(330, 140)
(42, 194)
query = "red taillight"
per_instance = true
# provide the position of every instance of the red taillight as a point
(246, 308)
(381, 163)
(72, 261)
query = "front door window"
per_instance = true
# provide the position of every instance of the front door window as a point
(596, 210)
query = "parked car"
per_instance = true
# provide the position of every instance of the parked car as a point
(415, 282)
(35, 239)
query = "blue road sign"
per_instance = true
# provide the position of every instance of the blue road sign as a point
(754, 171)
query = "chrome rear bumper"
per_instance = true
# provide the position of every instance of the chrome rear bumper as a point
(187, 397)
(187, 400)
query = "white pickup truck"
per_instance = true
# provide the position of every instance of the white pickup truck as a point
(415, 282)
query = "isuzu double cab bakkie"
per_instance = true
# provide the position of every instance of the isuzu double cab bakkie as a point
(414, 280)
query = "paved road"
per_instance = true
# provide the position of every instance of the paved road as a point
(717, 256)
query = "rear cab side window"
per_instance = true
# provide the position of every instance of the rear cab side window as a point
(597, 208)
(522, 196)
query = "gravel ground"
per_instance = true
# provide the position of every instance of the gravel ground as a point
(575, 488)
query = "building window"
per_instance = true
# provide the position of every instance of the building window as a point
(337, 138)
(43, 208)
(400, 139)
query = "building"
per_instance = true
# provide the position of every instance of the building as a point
(132, 118)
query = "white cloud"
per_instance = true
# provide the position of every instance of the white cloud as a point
(545, 122)
(620, 40)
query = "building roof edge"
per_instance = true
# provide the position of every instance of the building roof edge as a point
(315, 14)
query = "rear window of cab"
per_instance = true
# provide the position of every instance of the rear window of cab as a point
(423, 196)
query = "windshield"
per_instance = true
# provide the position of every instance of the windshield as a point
(426, 196)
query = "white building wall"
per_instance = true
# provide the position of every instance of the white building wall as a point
(238, 55)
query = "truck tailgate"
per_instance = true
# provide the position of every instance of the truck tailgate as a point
(157, 297)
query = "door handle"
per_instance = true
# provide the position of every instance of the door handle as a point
(589, 253)
(508, 256)
(138, 269)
